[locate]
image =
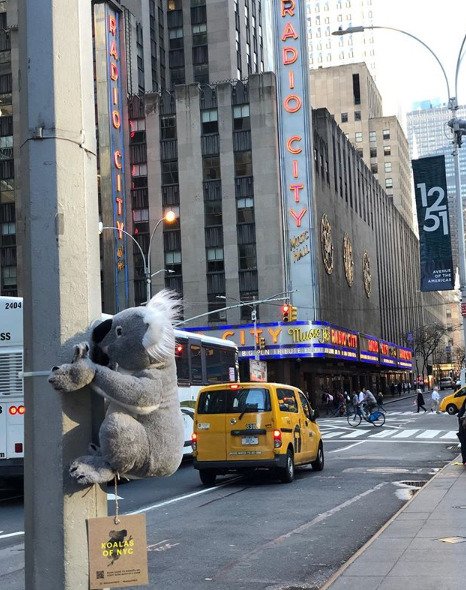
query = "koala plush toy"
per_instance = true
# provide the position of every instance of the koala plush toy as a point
(130, 361)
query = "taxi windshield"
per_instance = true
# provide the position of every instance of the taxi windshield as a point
(237, 401)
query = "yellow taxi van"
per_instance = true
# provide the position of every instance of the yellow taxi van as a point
(239, 427)
(453, 402)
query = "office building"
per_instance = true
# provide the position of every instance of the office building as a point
(351, 95)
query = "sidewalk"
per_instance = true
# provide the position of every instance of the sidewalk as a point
(422, 547)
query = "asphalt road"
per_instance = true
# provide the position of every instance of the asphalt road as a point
(260, 534)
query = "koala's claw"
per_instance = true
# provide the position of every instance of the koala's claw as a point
(91, 469)
(81, 351)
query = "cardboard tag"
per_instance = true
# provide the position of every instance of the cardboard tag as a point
(117, 552)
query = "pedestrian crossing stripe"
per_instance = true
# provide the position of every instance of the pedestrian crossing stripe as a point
(439, 435)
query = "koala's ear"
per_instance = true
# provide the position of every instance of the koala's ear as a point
(101, 330)
(167, 303)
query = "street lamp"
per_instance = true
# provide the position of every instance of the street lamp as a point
(169, 217)
(458, 127)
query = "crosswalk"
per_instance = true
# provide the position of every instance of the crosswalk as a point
(397, 428)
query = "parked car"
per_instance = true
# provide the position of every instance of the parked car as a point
(452, 403)
(240, 427)
(445, 383)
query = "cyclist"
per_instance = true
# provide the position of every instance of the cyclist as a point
(370, 403)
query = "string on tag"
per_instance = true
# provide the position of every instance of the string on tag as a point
(116, 520)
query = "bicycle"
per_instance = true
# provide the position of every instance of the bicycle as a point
(376, 418)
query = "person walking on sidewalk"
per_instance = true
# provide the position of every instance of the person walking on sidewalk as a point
(420, 401)
(435, 397)
(380, 401)
(462, 430)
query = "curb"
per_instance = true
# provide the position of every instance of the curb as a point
(369, 542)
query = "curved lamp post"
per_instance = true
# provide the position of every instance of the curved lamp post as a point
(169, 217)
(458, 127)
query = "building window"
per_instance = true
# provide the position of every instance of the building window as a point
(387, 150)
(174, 4)
(372, 136)
(243, 163)
(209, 118)
(389, 183)
(9, 276)
(215, 260)
(8, 229)
(201, 73)
(344, 117)
(139, 170)
(176, 38)
(357, 115)
(177, 76)
(247, 257)
(386, 134)
(241, 118)
(358, 136)
(140, 215)
(360, 152)
(388, 166)
(199, 34)
(170, 172)
(245, 210)
(211, 168)
(374, 168)
(356, 89)
(373, 152)
(213, 213)
(168, 127)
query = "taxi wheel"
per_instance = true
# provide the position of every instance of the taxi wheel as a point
(286, 474)
(451, 409)
(208, 476)
(318, 464)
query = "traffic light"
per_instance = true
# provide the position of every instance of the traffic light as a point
(262, 343)
(293, 314)
(285, 313)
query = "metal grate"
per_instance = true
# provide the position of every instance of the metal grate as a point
(11, 365)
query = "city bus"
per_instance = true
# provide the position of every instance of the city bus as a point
(201, 360)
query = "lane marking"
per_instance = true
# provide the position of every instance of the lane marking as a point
(331, 434)
(185, 497)
(451, 434)
(381, 434)
(11, 535)
(354, 434)
(348, 447)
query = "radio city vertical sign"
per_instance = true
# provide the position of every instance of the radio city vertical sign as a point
(295, 146)
(109, 67)
(430, 184)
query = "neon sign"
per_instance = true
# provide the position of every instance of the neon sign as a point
(295, 145)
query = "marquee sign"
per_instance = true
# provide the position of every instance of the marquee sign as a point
(311, 340)
(295, 148)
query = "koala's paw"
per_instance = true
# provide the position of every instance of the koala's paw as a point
(89, 470)
(72, 376)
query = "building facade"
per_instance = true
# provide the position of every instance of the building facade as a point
(351, 95)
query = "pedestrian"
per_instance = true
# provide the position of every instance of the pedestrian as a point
(327, 399)
(462, 430)
(380, 401)
(398, 387)
(392, 389)
(435, 397)
(420, 401)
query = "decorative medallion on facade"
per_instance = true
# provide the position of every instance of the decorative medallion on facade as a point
(326, 244)
(366, 274)
(348, 259)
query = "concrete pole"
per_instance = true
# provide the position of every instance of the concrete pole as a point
(58, 221)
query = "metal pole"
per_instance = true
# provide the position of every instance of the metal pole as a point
(460, 225)
(254, 319)
(61, 280)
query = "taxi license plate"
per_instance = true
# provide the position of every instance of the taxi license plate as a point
(250, 440)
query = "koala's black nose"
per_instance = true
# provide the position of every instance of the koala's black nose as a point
(54, 368)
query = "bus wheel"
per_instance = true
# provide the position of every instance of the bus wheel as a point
(208, 476)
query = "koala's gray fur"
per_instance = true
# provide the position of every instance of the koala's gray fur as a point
(131, 363)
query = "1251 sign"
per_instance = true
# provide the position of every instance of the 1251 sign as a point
(436, 214)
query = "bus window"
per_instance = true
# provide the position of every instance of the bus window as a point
(220, 364)
(182, 360)
(196, 363)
